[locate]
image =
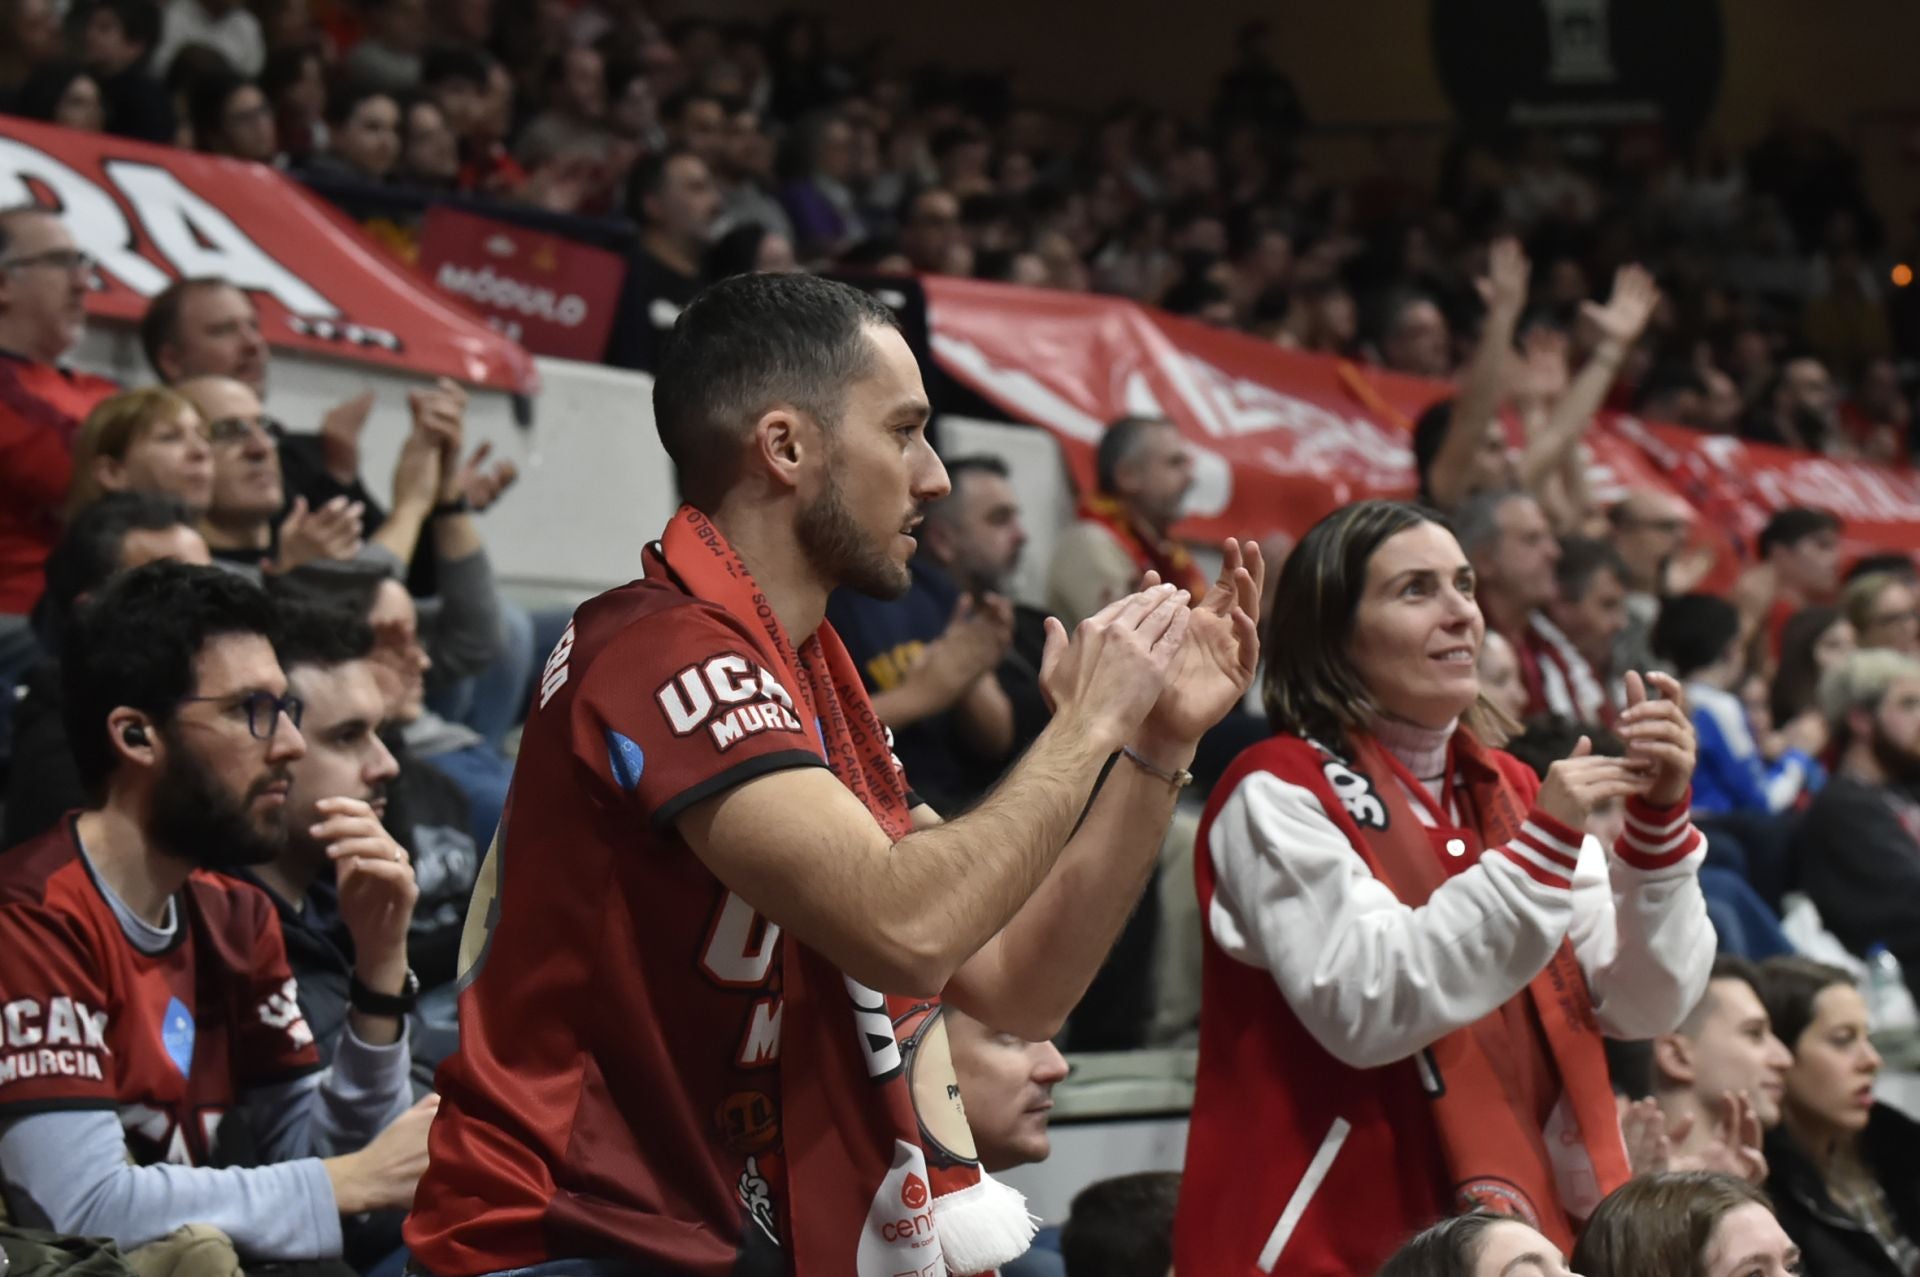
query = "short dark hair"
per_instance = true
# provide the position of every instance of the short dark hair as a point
(342, 105)
(135, 644)
(1726, 966)
(1793, 525)
(309, 632)
(207, 98)
(1118, 442)
(89, 552)
(748, 344)
(1670, 378)
(1694, 630)
(1890, 563)
(1629, 1067)
(160, 326)
(1122, 1227)
(674, 107)
(350, 587)
(1429, 433)
(1447, 1249)
(139, 21)
(1548, 738)
(957, 469)
(649, 177)
(444, 62)
(45, 86)
(1788, 986)
(1581, 560)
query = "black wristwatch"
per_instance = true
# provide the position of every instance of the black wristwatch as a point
(367, 1002)
(460, 505)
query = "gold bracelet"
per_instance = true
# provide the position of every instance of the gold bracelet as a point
(1179, 780)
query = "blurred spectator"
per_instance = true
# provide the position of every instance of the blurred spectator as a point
(1895, 563)
(744, 173)
(673, 199)
(1414, 337)
(1816, 640)
(748, 248)
(1647, 529)
(1142, 472)
(115, 534)
(818, 196)
(150, 440)
(1584, 622)
(363, 137)
(231, 116)
(1460, 446)
(1846, 320)
(1797, 408)
(43, 286)
(1720, 1076)
(388, 57)
(1122, 1227)
(118, 45)
(696, 121)
(1698, 636)
(1878, 415)
(1885, 612)
(1514, 556)
(1841, 1168)
(475, 93)
(427, 810)
(1799, 552)
(929, 659)
(1857, 852)
(248, 493)
(64, 93)
(931, 237)
(1500, 676)
(429, 152)
(296, 87)
(33, 39)
(226, 26)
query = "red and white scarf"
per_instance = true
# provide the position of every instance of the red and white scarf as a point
(882, 1176)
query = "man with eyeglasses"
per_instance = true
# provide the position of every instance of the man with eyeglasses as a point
(1647, 529)
(155, 1067)
(43, 289)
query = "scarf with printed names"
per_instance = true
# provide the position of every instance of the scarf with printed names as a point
(1169, 558)
(1498, 1155)
(882, 1174)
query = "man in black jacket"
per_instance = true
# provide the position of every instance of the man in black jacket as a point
(1857, 852)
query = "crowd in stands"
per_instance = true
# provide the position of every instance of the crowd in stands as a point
(249, 638)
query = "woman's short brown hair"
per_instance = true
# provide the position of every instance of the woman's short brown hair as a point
(1310, 687)
(1660, 1224)
(111, 430)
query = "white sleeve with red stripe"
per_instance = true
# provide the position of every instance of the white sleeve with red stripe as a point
(1640, 926)
(1373, 980)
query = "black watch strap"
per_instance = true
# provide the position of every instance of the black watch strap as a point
(460, 505)
(367, 1002)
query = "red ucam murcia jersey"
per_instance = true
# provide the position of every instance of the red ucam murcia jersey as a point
(169, 1040)
(617, 1086)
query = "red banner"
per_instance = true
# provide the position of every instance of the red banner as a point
(1280, 438)
(553, 296)
(153, 214)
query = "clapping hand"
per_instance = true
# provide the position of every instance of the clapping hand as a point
(1222, 650)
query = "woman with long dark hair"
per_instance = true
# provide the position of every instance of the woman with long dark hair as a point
(1413, 947)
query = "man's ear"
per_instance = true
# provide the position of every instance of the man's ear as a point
(134, 738)
(166, 362)
(784, 442)
(1673, 1058)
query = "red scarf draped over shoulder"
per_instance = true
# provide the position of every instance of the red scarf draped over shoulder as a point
(876, 1184)
(1498, 1074)
(1169, 558)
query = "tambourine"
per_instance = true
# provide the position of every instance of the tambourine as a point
(928, 1060)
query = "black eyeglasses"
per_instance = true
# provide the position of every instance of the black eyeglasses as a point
(263, 710)
(230, 431)
(70, 260)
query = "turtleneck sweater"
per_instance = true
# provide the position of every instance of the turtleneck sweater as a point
(1421, 750)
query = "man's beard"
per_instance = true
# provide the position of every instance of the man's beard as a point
(837, 547)
(1901, 763)
(196, 820)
